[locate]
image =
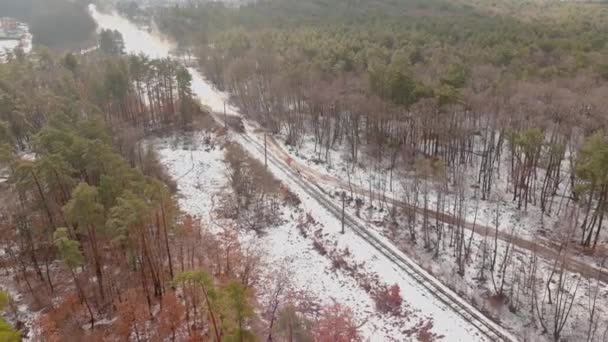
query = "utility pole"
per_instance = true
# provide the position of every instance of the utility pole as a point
(225, 117)
(343, 204)
(265, 152)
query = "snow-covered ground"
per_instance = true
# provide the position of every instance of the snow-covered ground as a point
(531, 225)
(526, 224)
(198, 170)
(335, 170)
(9, 45)
(136, 41)
(20, 312)
(312, 270)
(200, 173)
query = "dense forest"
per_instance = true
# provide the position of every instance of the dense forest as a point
(92, 234)
(468, 102)
(83, 194)
(403, 89)
(58, 24)
(457, 106)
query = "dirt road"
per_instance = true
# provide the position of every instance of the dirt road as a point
(543, 248)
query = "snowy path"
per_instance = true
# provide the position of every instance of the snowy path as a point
(423, 294)
(542, 247)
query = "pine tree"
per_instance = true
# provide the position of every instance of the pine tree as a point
(85, 211)
(7, 333)
(236, 313)
(72, 256)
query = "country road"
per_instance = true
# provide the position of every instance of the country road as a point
(544, 249)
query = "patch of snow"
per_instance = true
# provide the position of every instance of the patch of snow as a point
(198, 170)
(6, 47)
(24, 42)
(209, 95)
(9, 44)
(200, 173)
(23, 313)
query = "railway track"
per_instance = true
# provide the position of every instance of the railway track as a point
(446, 296)
(485, 326)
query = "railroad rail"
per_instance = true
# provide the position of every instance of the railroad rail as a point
(485, 325)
